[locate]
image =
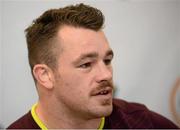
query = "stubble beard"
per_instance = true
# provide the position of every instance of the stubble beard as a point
(104, 105)
(102, 110)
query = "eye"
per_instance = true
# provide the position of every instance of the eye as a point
(107, 61)
(86, 65)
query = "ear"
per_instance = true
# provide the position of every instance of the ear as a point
(44, 75)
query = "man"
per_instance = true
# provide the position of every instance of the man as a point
(70, 59)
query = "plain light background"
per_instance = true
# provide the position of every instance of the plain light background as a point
(145, 37)
(0, 66)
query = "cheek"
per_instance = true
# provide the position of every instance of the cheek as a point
(73, 92)
(111, 69)
(73, 85)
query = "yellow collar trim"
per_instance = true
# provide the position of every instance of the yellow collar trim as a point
(36, 118)
(102, 123)
(43, 127)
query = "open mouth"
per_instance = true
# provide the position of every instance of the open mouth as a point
(103, 92)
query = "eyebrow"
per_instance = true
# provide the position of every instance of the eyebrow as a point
(92, 55)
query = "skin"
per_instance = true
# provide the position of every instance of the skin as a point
(70, 96)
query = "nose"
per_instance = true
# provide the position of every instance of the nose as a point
(104, 72)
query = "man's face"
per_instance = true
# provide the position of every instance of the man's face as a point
(83, 83)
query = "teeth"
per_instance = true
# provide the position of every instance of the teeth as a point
(103, 92)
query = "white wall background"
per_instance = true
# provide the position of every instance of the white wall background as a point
(144, 34)
(0, 66)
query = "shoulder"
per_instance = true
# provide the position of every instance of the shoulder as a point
(135, 115)
(128, 107)
(25, 122)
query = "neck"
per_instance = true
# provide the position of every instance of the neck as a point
(57, 118)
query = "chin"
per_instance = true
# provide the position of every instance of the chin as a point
(106, 111)
(106, 107)
(102, 111)
(101, 107)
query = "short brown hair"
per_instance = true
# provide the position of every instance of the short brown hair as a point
(41, 34)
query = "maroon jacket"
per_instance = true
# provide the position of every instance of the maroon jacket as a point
(125, 115)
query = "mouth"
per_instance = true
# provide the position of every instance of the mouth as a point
(104, 96)
(104, 92)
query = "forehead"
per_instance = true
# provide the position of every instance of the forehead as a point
(80, 40)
